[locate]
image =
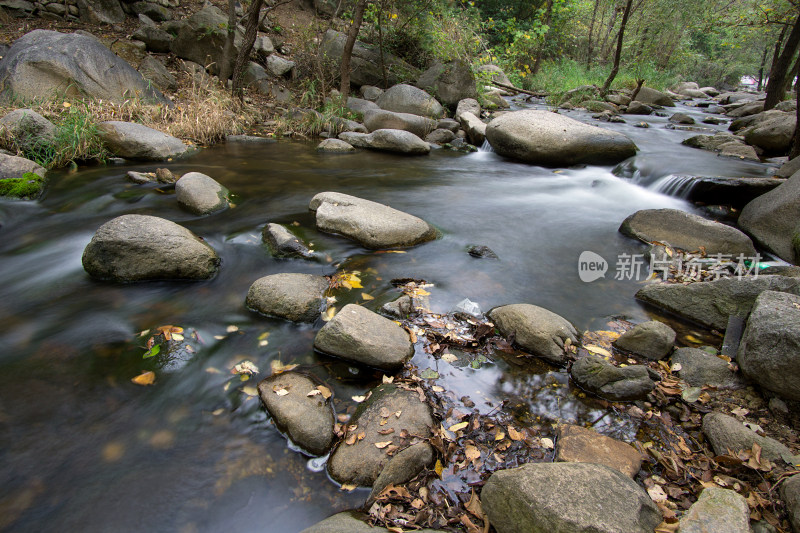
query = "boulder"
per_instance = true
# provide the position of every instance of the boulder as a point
(619, 99)
(359, 105)
(789, 168)
(386, 140)
(699, 368)
(474, 127)
(448, 124)
(711, 142)
(746, 110)
(578, 444)
(263, 47)
(201, 194)
(725, 433)
(133, 52)
(282, 243)
(151, 9)
(769, 352)
(494, 99)
(710, 303)
(682, 86)
(403, 98)
(468, 105)
(596, 106)
(154, 70)
(450, 82)
(135, 141)
(294, 297)
(18, 8)
(156, 39)
(546, 138)
(773, 135)
(790, 493)
(352, 522)
(717, 509)
(20, 178)
(388, 407)
(536, 330)
(541, 497)
(400, 308)
(307, 420)
(201, 38)
(27, 129)
(403, 467)
(495, 73)
(786, 105)
(616, 384)
(652, 340)
(278, 66)
(710, 91)
(440, 136)
(333, 8)
(681, 118)
(335, 146)
(748, 121)
(638, 108)
(372, 224)
(380, 119)
(370, 92)
(47, 64)
(13, 167)
(101, 12)
(365, 62)
(686, 231)
(362, 336)
(735, 97)
(649, 96)
(142, 248)
(739, 150)
(772, 220)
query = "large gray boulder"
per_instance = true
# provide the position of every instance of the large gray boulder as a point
(773, 220)
(789, 168)
(357, 334)
(13, 167)
(387, 140)
(295, 297)
(536, 330)
(307, 419)
(388, 407)
(546, 138)
(652, 340)
(372, 224)
(725, 433)
(47, 64)
(135, 141)
(20, 178)
(403, 98)
(717, 509)
(746, 110)
(27, 129)
(201, 38)
(774, 135)
(201, 194)
(155, 71)
(474, 127)
(577, 444)
(712, 143)
(101, 11)
(710, 303)
(365, 62)
(380, 119)
(649, 96)
(359, 105)
(686, 231)
(450, 82)
(156, 39)
(468, 105)
(495, 73)
(142, 248)
(769, 353)
(567, 497)
(335, 146)
(699, 368)
(790, 492)
(352, 522)
(614, 383)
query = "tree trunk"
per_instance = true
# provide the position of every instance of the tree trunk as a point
(618, 53)
(779, 71)
(226, 68)
(787, 82)
(638, 88)
(347, 53)
(761, 69)
(590, 44)
(250, 34)
(603, 52)
(540, 51)
(380, 45)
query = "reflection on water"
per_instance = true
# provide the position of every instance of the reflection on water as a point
(83, 447)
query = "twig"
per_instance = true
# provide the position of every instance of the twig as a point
(512, 88)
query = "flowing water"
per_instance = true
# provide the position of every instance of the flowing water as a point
(84, 449)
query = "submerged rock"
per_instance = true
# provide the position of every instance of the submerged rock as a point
(726, 433)
(402, 411)
(362, 336)
(652, 340)
(388, 140)
(567, 497)
(686, 231)
(201, 194)
(710, 303)
(372, 224)
(536, 330)
(699, 368)
(546, 138)
(295, 297)
(307, 420)
(578, 444)
(282, 243)
(400, 308)
(613, 383)
(135, 141)
(141, 248)
(769, 353)
(717, 509)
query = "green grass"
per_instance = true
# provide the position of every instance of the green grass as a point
(28, 187)
(76, 139)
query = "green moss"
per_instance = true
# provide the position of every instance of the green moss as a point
(28, 187)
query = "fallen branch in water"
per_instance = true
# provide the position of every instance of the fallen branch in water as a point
(512, 88)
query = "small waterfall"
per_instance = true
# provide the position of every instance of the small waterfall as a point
(674, 185)
(486, 147)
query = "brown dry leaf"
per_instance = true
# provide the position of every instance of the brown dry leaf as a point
(384, 412)
(359, 399)
(417, 503)
(657, 494)
(351, 439)
(467, 523)
(384, 421)
(348, 487)
(397, 414)
(388, 431)
(361, 436)
(278, 368)
(314, 392)
(325, 391)
(514, 434)
(471, 452)
(438, 468)
(145, 378)
(474, 506)
(382, 445)
(667, 527)
(387, 379)
(328, 314)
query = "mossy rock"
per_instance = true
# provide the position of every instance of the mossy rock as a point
(29, 187)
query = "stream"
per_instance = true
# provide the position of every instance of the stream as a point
(84, 449)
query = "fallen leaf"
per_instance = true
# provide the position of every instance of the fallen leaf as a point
(657, 494)
(145, 378)
(366, 296)
(438, 468)
(245, 367)
(548, 443)
(351, 439)
(598, 350)
(449, 358)
(348, 487)
(387, 379)
(232, 329)
(388, 431)
(152, 352)
(281, 392)
(279, 368)
(474, 506)
(500, 435)
(429, 373)
(382, 445)
(314, 392)
(359, 399)
(457, 427)
(471, 452)
(252, 391)
(437, 388)
(325, 391)
(514, 434)
(328, 314)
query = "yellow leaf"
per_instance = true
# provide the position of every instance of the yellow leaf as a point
(278, 367)
(359, 399)
(598, 350)
(449, 358)
(325, 391)
(348, 487)
(252, 391)
(145, 378)
(67, 104)
(500, 435)
(232, 329)
(438, 468)
(382, 445)
(328, 314)
(457, 427)
(366, 296)
(471, 452)
(692, 338)
(514, 434)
